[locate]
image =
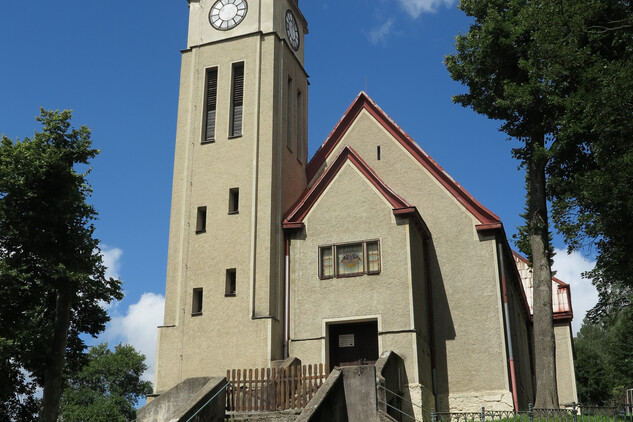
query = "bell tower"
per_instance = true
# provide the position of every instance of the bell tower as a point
(241, 151)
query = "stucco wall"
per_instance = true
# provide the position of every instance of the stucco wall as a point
(352, 210)
(565, 375)
(469, 335)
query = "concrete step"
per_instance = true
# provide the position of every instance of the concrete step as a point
(281, 416)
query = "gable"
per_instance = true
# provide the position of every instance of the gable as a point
(363, 106)
(348, 158)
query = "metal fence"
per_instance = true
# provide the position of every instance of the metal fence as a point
(577, 413)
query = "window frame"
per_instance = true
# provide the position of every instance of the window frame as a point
(335, 263)
(197, 301)
(233, 132)
(205, 124)
(230, 286)
(201, 219)
(234, 201)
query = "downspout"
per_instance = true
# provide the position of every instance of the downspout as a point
(506, 310)
(287, 298)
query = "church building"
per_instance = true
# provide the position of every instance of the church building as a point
(369, 246)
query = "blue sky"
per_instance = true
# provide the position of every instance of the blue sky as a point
(117, 63)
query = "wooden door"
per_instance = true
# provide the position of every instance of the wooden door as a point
(353, 344)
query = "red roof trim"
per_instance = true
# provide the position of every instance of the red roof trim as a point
(294, 218)
(363, 102)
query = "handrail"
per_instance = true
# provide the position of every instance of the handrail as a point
(208, 401)
(402, 398)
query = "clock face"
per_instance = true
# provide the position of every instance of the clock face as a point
(292, 30)
(227, 14)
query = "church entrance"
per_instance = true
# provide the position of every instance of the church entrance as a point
(353, 344)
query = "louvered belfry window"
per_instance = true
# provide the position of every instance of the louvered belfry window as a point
(211, 105)
(237, 100)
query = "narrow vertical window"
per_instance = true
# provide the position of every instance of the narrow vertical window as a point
(373, 257)
(299, 126)
(201, 220)
(196, 303)
(210, 105)
(231, 282)
(378, 152)
(234, 201)
(327, 263)
(237, 100)
(289, 128)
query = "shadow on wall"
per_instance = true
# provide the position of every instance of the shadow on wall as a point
(443, 329)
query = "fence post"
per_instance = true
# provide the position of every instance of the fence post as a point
(433, 416)
(482, 415)
(531, 412)
(574, 412)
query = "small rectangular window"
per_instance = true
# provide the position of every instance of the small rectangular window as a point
(231, 283)
(237, 100)
(210, 105)
(201, 220)
(234, 201)
(299, 126)
(349, 259)
(289, 121)
(196, 305)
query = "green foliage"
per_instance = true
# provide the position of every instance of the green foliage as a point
(47, 251)
(591, 173)
(604, 363)
(107, 388)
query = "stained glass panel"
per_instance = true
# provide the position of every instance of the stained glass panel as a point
(350, 259)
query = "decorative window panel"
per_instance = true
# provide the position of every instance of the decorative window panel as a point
(349, 259)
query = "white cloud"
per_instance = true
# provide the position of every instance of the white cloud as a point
(415, 8)
(111, 260)
(379, 34)
(569, 268)
(138, 328)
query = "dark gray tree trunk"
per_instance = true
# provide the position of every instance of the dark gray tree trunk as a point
(55, 362)
(544, 343)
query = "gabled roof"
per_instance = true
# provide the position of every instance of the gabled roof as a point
(294, 217)
(486, 217)
(561, 291)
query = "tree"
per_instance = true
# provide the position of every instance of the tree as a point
(591, 176)
(604, 365)
(500, 64)
(107, 388)
(51, 269)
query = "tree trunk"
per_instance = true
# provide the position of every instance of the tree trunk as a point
(55, 361)
(544, 343)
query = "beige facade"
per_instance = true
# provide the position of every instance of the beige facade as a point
(267, 175)
(369, 247)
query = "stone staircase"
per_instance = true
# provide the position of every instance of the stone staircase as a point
(282, 416)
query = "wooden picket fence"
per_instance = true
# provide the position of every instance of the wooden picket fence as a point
(272, 389)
